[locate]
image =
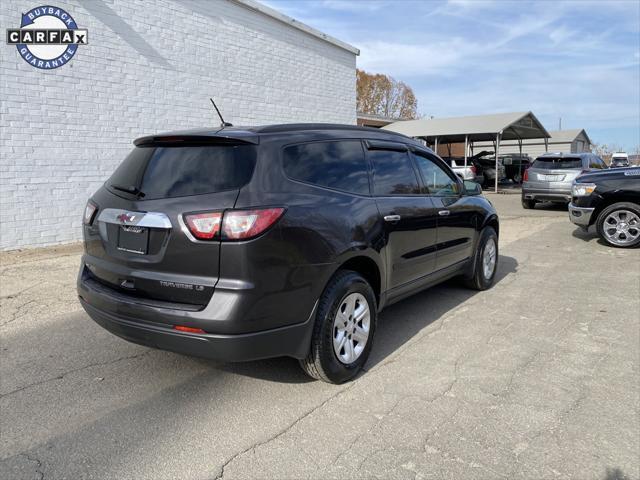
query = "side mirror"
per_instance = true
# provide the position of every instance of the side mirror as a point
(472, 188)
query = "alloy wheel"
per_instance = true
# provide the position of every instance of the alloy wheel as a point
(489, 258)
(351, 328)
(621, 227)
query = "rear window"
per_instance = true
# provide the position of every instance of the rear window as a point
(557, 163)
(129, 172)
(340, 165)
(182, 171)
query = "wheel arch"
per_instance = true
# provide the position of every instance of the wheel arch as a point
(492, 221)
(611, 200)
(368, 268)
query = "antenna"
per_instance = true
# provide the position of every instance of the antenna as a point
(223, 124)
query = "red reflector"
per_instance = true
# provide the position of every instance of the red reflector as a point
(244, 224)
(182, 328)
(204, 226)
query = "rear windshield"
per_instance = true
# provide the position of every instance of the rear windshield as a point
(166, 172)
(557, 163)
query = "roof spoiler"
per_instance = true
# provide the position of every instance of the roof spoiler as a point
(177, 140)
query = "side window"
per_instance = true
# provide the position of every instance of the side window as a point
(393, 173)
(593, 162)
(435, 178)
(339, 164)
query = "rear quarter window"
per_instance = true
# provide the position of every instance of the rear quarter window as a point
(339, 165)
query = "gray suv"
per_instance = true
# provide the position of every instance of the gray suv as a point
(551, 175)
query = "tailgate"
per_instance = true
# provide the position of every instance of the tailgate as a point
(139, 241)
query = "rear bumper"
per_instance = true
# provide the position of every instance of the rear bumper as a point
(291, 341)
(581, 216)
(150, 323)
(546, 195)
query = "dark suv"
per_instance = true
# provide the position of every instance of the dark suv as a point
(284, 240)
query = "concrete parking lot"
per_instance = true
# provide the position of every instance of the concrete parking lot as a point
(536, 378)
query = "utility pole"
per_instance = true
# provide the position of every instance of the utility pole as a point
(560, 123)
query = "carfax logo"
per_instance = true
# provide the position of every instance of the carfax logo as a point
(48, 37)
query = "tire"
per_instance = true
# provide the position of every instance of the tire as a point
(627, 216)
(334, 364)
(481, 278)
(528, 204)
(517, 178)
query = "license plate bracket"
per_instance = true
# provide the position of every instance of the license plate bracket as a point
(133, 239)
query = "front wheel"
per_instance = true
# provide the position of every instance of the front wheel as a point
(344, 328)
(485, 261)
(619, 225)
(528, 204)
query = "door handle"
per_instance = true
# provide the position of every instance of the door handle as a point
(392, 218)
(444, 213)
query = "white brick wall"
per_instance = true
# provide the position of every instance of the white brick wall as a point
(150, 66)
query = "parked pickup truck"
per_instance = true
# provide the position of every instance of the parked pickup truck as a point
(468, 172)
(610, 200)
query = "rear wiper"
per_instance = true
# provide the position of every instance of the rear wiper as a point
(128, 189)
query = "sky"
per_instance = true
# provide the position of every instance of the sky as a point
(575, 60)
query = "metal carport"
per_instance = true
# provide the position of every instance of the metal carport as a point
(494, 128)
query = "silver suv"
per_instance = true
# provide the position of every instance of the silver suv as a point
(551, 175)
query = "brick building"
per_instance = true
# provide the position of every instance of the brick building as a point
(149, 67)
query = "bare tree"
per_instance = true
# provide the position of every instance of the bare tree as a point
(379, 94)
(604, 150)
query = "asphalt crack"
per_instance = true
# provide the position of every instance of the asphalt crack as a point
(37, 462)
(371, 428)
(75, 370)
(18, 313)
(282, 432)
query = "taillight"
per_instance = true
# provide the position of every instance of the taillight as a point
(473, 169)
(204, 226)
(525, 177)
(89, 212)
(245, 224)
(232, 224)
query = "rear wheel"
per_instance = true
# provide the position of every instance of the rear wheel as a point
(528, 204)
(485, 261)
(344, 329)
(517, 177)
(619, 225)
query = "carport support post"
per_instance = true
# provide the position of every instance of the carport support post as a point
(520, 159)
(466, 148)
(546, 144)
(436, 146)
(497, 154)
